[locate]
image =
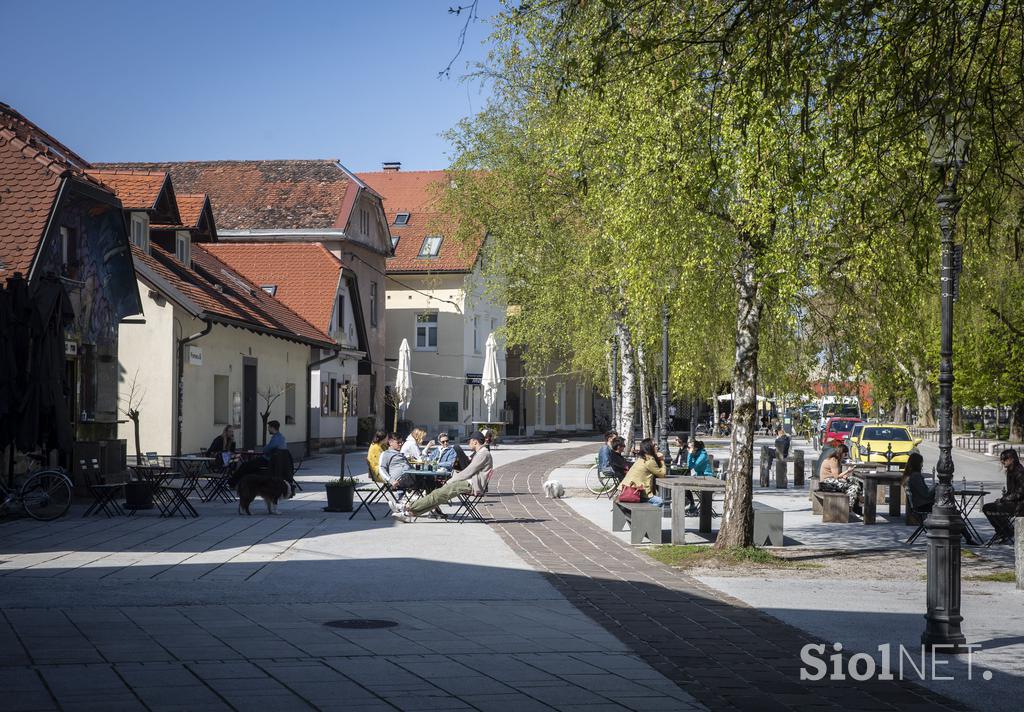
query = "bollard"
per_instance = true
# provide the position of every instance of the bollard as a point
(767, 457)
(798, 468)
(1018, 545)
(781, 482)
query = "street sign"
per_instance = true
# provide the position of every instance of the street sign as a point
(474, 379)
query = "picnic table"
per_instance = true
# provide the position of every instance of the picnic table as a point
(705, 487)
(871, 476)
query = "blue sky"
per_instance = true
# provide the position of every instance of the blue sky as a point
(187, 80)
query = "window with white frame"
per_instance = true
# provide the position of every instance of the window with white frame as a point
(431, 246)
(426, 331)
(476, 334)
(183, 247)
(373, 304)
(140, 231)
(401, 219)
(270, 289)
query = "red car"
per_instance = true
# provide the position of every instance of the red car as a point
(839, 429)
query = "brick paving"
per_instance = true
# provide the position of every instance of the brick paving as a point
(727, 655)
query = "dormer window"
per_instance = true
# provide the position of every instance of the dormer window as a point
(183, 247)
(140, 231)
(401, 220)
(431, 246)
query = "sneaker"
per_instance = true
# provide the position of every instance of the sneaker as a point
(395, 507)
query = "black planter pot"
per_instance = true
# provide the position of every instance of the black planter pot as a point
(339, 498)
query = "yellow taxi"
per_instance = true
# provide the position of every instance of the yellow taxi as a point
(873, 442)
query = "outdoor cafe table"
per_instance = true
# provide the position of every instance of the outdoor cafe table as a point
(427, 480)
(870, 476)
(705, 487)
(968, 500)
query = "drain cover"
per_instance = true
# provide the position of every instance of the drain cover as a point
(361, 623)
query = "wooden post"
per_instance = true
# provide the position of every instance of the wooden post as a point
(781, 482)
(766, 463)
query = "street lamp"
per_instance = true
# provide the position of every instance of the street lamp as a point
(948, 142)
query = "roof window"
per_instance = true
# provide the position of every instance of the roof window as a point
(401, 220)
(270, 289)
(431, 246)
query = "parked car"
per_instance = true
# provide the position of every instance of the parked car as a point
(853, 439)
(839, 429)
(874, 442)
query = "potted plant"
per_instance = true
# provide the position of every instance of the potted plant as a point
(340, 492)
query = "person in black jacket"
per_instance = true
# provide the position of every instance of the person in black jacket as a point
(223, 443)
(1001, 512)
(782, 443)
(616, 462)
(921, 495)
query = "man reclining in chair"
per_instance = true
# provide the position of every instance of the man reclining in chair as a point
(472, 478)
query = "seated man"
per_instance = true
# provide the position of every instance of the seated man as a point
(472, 478)
(447, 454)
(276, 442)
(618, 464)
(393, 465)
(605, 451)
(1001, 512)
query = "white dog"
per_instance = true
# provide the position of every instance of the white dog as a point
(554, 489)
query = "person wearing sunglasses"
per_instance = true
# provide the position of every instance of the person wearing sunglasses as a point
(446, 454)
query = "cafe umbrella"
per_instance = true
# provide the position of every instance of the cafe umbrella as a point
(403, 379)
(491, 379)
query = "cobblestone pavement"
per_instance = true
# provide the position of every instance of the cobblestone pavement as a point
(727, 655)
(227, 612)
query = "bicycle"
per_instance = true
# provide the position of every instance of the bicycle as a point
(599, 482)
(44, 494)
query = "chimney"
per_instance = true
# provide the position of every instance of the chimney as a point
(392, 166)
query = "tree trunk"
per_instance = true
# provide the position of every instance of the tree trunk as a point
(1017, 421)
(628, 380)
(958, 419)
(645, 396)
(138, 440)
(923, 389)
(613, 392)
(714, 413)
(265, 417)
(737, 527)
(900, 411)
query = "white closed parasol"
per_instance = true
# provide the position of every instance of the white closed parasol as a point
(403, 380)
(491, 378)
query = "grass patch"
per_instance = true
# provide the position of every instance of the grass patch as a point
(689, 556)
(968, 554)
(996, 577)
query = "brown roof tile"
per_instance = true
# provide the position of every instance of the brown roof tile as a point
(255, 195)
(305, 273)
(418, 193)
(237, 301)
(138, 190)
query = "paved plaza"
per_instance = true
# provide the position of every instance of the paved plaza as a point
(542, 608)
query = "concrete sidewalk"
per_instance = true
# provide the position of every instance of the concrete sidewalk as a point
(231, 612)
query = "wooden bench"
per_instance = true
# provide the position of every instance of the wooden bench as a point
(835, 506)
(767, 525)
(644, 521)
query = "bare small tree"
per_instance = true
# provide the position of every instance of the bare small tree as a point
(133, 409)
(391, 398)
(269, 396)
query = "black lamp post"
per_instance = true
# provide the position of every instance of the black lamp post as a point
(948, 142)
(663, 419)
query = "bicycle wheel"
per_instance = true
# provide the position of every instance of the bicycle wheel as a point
(593, 481)
(46, 495)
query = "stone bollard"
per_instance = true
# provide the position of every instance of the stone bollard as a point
(1018, 539)
(767, 458)
(781, 481)
(814, 482)
(798, 468)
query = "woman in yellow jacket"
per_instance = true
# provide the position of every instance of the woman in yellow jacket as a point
(373, 455)
(648, 466)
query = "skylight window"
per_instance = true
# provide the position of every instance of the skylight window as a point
(270, 289)
(401, 219)
(394, 242)
(431, 246)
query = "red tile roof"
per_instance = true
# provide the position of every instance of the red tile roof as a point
(238, 302)
(138, 190)
(303, 273)
(190, 206)
(255, 195)
(418, 193)
(32, 164)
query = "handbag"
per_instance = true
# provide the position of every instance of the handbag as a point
(631, 494)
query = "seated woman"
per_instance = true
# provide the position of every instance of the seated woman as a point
(411, 446)
(697, 465)
(223, 444)
(618, 465)
(921, 495)
(377, 446)
(649, 466)
(835, 479)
